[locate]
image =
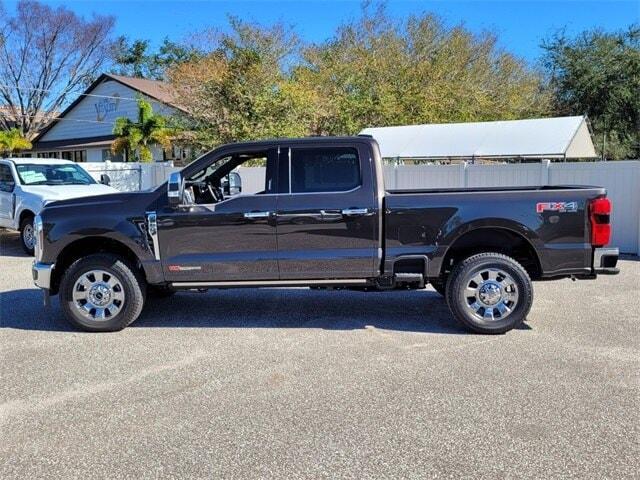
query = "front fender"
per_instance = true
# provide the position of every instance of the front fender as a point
(26, 202)
(108, 219)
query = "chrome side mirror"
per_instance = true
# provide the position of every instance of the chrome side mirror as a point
(175, 189)
(234, 184)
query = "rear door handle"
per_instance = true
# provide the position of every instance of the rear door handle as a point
(253, 215)
(355, 212)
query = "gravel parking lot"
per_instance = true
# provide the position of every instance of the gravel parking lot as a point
(293, 383)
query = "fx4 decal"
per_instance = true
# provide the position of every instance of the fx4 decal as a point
(556, 207)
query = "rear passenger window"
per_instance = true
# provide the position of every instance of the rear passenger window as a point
(333, 169)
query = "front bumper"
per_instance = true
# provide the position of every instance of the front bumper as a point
(605, 261)
(41, 273)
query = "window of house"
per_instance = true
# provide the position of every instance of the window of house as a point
(80, 156)
(326, 169)
(108, 155)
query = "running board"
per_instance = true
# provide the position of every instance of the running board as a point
(271, 283)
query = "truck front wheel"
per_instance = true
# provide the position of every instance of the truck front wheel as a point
(489, 293)
(102, 293)
(27, 234)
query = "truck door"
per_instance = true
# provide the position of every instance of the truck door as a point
(220, 236)
(7, 187)
(326, 212)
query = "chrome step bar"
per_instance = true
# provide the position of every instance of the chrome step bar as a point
(271, 283)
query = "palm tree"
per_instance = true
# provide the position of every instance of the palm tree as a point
(138, 136)
(12, 141)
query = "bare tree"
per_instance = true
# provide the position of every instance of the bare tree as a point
(46, 55)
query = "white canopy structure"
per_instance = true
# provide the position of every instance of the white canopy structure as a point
(551, 138)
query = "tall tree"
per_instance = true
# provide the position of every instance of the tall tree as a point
(137, 137)
(13, 141)
(260, 82)
(377, 70)
(135, 58)
(47, 55)
(598, 74)
(240, 89)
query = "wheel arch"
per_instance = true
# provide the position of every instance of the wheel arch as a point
(506, 239)
(24, 213)
(87, 246)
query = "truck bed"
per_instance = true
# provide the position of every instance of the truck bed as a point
(554, 220)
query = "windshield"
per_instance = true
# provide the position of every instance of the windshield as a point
(63, 174)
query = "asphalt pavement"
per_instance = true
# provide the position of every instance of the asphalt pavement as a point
(294, 383)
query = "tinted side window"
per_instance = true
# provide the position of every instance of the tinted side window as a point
(6, 179)
(329, 169)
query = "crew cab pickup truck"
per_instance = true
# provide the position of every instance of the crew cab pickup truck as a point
(27, 184)
(321, 218)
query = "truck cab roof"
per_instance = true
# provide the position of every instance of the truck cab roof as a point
(37, 161)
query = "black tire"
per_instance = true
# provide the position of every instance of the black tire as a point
(463, 275)
(439, 285)
(159, 291)
(26, 229)
(132, 285)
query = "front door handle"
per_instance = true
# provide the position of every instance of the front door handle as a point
(330, 213)
(355, 212)
(254, 215)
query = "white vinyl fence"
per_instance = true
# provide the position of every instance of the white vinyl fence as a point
(129, 177)
(621, 179)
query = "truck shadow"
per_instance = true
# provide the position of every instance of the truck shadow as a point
(417, 311)
(10, 244)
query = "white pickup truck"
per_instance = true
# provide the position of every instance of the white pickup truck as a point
(28, 184)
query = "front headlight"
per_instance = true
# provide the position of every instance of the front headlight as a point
(39, 236)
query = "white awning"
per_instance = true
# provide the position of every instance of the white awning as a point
(559, 137)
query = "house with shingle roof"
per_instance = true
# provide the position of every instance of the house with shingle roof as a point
(83, 132)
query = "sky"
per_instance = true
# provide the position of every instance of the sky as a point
(519, 25)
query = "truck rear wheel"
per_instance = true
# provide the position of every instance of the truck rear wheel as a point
(102, 293)
(489, 293)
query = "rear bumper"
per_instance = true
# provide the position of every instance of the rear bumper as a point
(605, 261)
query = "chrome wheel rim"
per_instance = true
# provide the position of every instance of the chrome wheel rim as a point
(490, 294)
(28, 236)
(98, 295)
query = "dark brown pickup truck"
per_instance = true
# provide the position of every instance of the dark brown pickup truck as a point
(320, 218)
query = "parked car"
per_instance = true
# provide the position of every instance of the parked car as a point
(27, 184)
(323, 219)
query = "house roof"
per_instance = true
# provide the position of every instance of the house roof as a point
(160, 91)
(153, 88)
(559, 137)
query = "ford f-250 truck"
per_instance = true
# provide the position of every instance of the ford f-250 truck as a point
(323, 219)
(27, 184)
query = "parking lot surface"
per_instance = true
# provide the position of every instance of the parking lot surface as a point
(293, 383)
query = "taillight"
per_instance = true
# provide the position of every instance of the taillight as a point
(600, 213)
